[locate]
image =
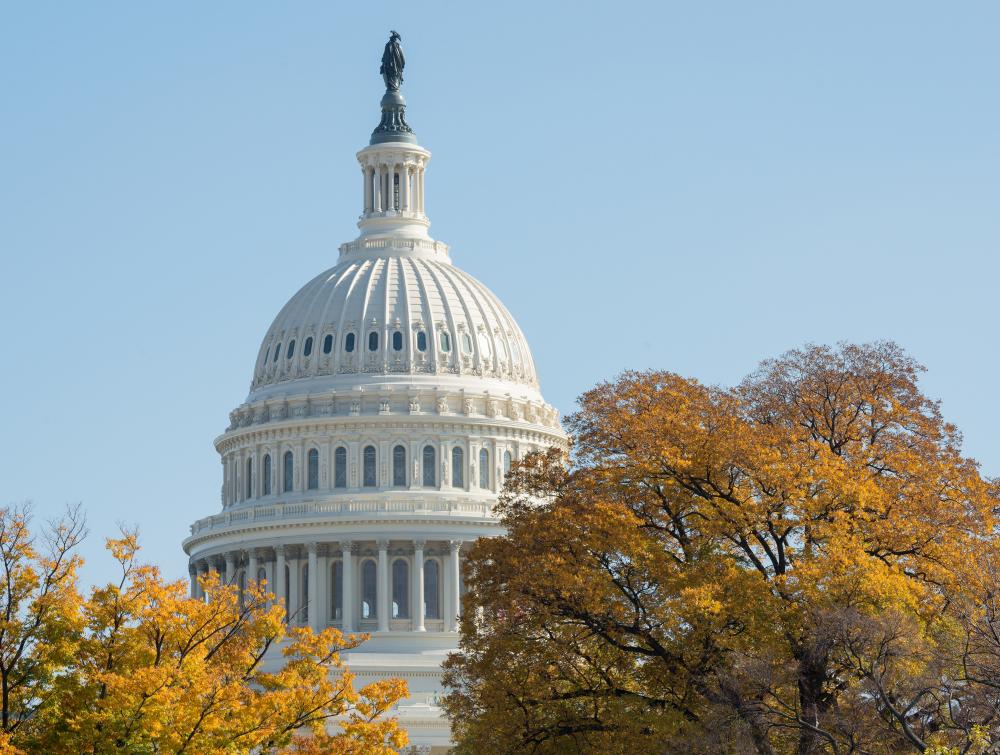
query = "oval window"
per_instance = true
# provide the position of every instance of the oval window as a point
(349, 343)
(291, 349)
(277, 352)
(445, 341)
(328, 344)
(421, 341)
(373, 341)
(307, 347)
(397, 341)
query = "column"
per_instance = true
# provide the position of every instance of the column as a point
(453, 588)
(377, 181)
(404, 187)
(323, 590)
(367, 203)
(193, 574)
(420, 189)
(278, 586)
(202, 572)
(347, 590)
(314, 615)
(418, 569)
(383, 599)
(251, 566)
(295, 595)
(230, 567)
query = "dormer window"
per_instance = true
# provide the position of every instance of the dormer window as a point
(307, 348)
(277, 352)
(467, 343)
(397, 341)
(349, 343)
(421, 341)
(445, 341)
(328, 344)
(373, 341)
(291, 349)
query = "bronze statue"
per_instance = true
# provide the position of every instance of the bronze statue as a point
(392, 63)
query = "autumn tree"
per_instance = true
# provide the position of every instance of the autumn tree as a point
(800, 564)
(141, 667)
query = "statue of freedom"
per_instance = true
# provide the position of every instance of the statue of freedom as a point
(392, 63)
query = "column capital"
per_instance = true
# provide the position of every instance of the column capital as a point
(455, 545)
(419, 544)
(312, 548)
(193, 569)
(382, 544)
(279, 550)
(347, 546)
(230, 558)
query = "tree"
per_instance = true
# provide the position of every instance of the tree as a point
(792, 565)
(141, 667)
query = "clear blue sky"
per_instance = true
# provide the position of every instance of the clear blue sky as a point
(692, 187)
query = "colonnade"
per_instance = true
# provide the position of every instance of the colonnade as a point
(356, 585)
(387, 186)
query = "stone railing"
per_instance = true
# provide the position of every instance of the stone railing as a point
(319, 509)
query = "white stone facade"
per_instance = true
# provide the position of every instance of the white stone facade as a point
(388, 399)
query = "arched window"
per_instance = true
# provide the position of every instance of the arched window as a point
(249, 481)
(313, 469)
(484, 468)
(506, 462)
(467, 343)
(368, 590)
(432, 591)
(373, 341)
(340, 467)
(457, 468)
(287, 473)
(397, 341)
(370, 478)
(277, 352)
(421, 341)
(267, 474)
(400, 589)
(349, 343)
(307, 347)
(337, 590)
(291, 349)
(328, 344)
(445, 341)
(430, 467)
(304, 600)
(399, 467)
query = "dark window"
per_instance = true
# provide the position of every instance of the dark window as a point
(373, 341)
(307, 347)
(267, 475)
(337, 588)
(291, 349)
(432, 592)
(313, 469)
(400, 589)
(421, 341)
(430, 464)
(267, 354)
(445, 341)
(370, 479)
(340, 467)
(397, 341)
(368, 590)
(249, 478)
(349, 343)
(457, 468)
(484, 468)
(328, 344)
(287, 472)
(399, 467)
(277, 352)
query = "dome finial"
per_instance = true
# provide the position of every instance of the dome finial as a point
(393, 126)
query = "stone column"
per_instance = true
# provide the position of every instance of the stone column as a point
(295, 595)
(193, 573)
(367, 204)
(251, 566)
(453, 587)
(383, 599)
(314, 615)
(418, 568)
(377, 182)
(322, 590)
(202, 572)
(404, 187)
(347, 590)
(230, 572)
(279, 586)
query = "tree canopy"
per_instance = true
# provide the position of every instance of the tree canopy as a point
(139, 667)
(805, 563)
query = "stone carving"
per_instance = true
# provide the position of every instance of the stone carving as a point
(414, 405)
(355, 407)
(467, 406)
(383, 406)
(442, 406)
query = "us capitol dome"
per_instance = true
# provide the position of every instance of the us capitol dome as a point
(388, 399)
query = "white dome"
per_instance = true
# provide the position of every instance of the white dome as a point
(379, 313)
